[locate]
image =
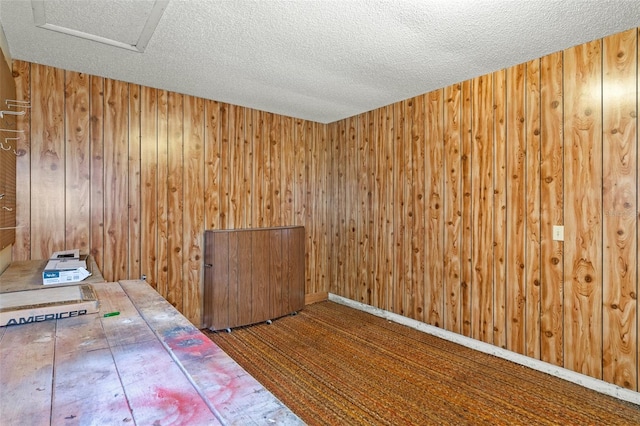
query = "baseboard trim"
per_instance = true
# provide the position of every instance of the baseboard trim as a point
(315, 297)
(545, 367)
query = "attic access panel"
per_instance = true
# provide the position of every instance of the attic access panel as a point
(124, 24)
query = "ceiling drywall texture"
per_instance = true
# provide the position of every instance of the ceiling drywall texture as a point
(318, 60)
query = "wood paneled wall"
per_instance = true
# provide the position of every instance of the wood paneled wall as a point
(134, 175)
(444, 206)
(439, 207)
(8, 137)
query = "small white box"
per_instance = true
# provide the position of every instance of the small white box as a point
(65, 267)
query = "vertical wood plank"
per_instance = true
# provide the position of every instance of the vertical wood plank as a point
(116, 153)
(193, 213)
(434, 295)
(482, 190)
(411, 280)
(236, 284)
(466, 242)
(500, 208)
(259, 175)
(296, 273)
(212, 161)
(260, 289)
(149, 184)
(245, 274)
(638, 223)
(620, 198)
(47, 162)
(221, 278)
(277, 262)
(249, 165)
(225, 176)
(318, 216)
(275, 174)
(363, 208)
(583, 221)
(97, 195)
(163, 201)
(302, 202)
(339, 213)
(236, 175)
(21, 249)
(175, 199)
(246, 162)
(312, 192)
(551, 209)
(350, 208)
(300, 145)
(516, 209)
(208, 299)
(134, 200)
(416, 154)
(399, 219)
(77, 161)
(452, 207)
(384, 212)
(533, 209)
(288, 172)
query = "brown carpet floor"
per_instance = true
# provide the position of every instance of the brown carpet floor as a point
(334, 365)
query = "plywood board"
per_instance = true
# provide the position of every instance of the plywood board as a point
(23, 307)
(27, 275)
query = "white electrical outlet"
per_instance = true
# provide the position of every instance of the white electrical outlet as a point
(558, 233)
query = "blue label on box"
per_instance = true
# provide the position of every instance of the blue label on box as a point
(51, 274)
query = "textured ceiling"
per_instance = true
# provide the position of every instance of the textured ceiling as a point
(318, 60)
